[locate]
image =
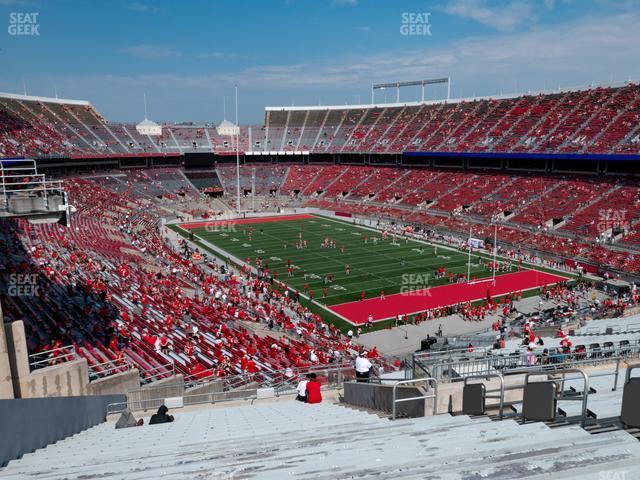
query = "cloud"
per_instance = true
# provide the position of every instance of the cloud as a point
(571, 54)
(574, 53)
(501, 17)
(150, 52)
(164, 52)
(17, 3)
(220, 55)
(142, 8)
(351, 3)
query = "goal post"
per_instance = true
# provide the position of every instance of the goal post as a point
(494, 257)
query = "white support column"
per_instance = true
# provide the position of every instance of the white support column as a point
(237, 154)
(469, 259)
(495, 250)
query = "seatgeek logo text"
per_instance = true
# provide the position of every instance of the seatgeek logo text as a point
(24, 24)
(415, 24)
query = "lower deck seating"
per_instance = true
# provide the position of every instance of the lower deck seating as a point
(112, 287)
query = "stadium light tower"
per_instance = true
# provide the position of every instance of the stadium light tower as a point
(422, 83)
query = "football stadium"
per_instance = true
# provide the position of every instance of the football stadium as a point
(329, 239)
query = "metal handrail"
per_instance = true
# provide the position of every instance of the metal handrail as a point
(634, 344)
(112, 366)
(212, 397)
(439, 356)
(427, 354)
(630, 368)
(55, 355)
(395, 400)
(585, 392)
(517, 361)
(169, 369)
(270, 378)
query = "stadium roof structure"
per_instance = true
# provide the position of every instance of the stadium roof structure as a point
(474, 98)
(148, 123)
(32, 98)
(227, 128)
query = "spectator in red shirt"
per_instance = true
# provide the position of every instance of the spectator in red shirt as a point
(251, 366)
(313, 389)
(164, 344)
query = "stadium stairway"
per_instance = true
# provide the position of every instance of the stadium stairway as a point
(288, 439)
(603, 408)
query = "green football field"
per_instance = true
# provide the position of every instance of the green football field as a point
(374, 265)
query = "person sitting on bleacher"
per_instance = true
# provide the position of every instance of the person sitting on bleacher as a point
(313, 389)
(302, 390)
(161, 416)
(127, 420)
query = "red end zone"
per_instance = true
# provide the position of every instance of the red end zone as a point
(243, 221)
(442, 296)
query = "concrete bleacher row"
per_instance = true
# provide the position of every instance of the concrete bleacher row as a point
(601, 339)
(630, 324)
(605, 398)
(605, 405)
(328, 441)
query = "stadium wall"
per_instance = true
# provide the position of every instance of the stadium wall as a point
(27, 425)
(6, 379)
(543, 163)
(65, 379)
(380, 397)
(118, 383)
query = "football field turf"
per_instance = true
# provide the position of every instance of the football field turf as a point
(401, 266)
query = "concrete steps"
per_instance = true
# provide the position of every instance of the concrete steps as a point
(328, 441)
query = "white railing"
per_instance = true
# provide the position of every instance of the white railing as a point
(157, 373)
(279, 379)
(144, 404)
(21, 177)
(51, 357)
(458, 370)
(429, 381)
(111, 367)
